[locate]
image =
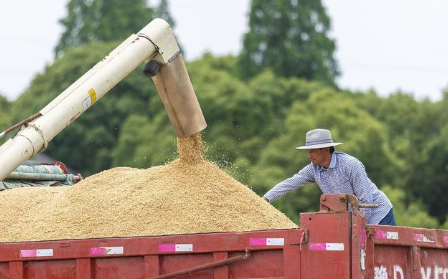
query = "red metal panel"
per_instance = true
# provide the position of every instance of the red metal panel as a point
(402, 252)
(173, 263)
(50, 269)
(152, 266)
(291, 258)
(434, 263)
(370, 250)
(148, 257)
(83, 270)
(358, 246)
(327, 253)
(123, 267)
(223, 271)
(4, 271)
(16, 270)
(392, 262)
(261, 264)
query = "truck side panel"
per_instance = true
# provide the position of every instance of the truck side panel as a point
(401, 252)
(327, 250)
(273, 254)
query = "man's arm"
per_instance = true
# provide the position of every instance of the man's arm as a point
(362, 186)
(303, 177)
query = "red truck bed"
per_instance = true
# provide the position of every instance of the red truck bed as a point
(330, 244)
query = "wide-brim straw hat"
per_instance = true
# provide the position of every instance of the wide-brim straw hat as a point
(318, 138)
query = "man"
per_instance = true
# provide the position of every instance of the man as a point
(336, 172)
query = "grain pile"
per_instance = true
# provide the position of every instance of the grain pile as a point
(188, 195)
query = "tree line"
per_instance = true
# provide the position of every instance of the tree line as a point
(258, 105)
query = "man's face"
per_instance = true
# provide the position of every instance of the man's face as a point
(318, 156)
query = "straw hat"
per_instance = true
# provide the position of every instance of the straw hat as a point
(318, 138)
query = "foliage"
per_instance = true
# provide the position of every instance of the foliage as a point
(4, 114)
(445, 225)
(417, 140)
(430, 181)
(101, 20)
(412, 215)
(3, 102)
(4, 109)
(163, 11)
(144, 143)
(291, 38)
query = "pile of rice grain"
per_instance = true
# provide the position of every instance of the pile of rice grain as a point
(188, 195)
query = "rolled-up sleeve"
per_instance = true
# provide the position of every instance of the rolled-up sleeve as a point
(303, 177)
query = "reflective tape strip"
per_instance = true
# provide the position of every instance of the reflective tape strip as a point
(421, 238)
(326, 246)
(266, 241)
(176, 247)
(36, 253)
(386, 235)
(106, 250)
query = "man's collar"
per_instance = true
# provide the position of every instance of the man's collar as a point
(332, 163)
(333, 160)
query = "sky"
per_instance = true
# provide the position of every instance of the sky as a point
(382, 44)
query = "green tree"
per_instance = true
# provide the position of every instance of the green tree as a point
(242, 116)
(4, 114)
(145, 142)
(445, 225)
(101, 20)
(163, 11)
(429, 181)
(415, 137)
(291, 38)
(399, 112)
(412, 215)
(4, 108)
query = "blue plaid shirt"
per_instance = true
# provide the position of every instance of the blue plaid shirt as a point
(346, 174)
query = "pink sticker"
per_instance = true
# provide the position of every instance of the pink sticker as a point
(318, 246)
(257, 241)
(27, 253)
(167, 247)
(363, 239)
(419, 237)
(97, 251)
(381, 235)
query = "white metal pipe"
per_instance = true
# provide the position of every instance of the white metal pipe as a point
(94, 88)
(87, 75)
(86, 91)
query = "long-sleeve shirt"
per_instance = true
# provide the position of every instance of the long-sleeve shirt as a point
(345, 174)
